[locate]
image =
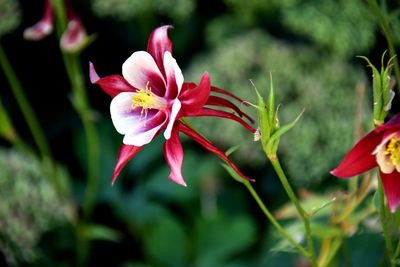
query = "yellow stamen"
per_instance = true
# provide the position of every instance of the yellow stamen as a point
(393, 150)
(146, 99)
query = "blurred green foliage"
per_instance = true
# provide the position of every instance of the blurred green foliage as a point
(10, 16)
(340, 27)
(128, 9)
(29, 206)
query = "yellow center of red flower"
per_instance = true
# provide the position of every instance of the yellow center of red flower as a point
(146, 99)
(393, 150)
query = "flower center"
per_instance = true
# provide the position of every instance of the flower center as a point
(392, 150)
(146, 99)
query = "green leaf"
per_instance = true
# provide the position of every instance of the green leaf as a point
(377, 200)
(232, 173)
(272, 115)
(232, 150)
(272, 142)
(166, 243)
(313, 205)
(6, 128)
(262, 113)
(377, 89)
(220, 238)
(322, 230)
(100, 232)
(296, 229)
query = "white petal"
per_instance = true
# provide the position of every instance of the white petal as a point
(140, 68)
(125, 120)
(140, 139)
(175, 110)
(385, 165)
(172, 68)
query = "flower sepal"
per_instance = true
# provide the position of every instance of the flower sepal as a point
(270, 130)
(382, 86)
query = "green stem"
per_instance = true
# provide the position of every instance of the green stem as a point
(397, 252)
(33, 124)
(384, 219)
(82, 106)
(389, 38)
(274, 222)
(24, 105)
(282, 177)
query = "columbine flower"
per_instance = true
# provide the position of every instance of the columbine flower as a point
(381, 148)
(152, 96)
(42, 28)
(72, 39)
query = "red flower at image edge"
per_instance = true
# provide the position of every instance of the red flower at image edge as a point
(151, 96)
(380, 148)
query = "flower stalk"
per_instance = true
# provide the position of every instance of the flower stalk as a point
(81, 104)
(273, 221)
(270, 133)
(303, 214)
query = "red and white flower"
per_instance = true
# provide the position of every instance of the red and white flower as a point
(150, 98)
(73, 38)
(380, 148)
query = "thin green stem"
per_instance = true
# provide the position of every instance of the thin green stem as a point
(24, 105)
(397, 252)
(33, 124)
(274, 222)
(282, 177)
(384, 219)
(389, 37)
(82, 106)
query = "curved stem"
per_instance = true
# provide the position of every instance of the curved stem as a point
(32, 122)
(282, 177)
(273, 221)
(25, 107)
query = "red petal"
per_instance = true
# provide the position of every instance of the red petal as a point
(193, 98)
(210, 147)
(222, 102)
(112, 84)
(360, 158)
(224, 92)
(158, 44)
(222, 114)
(125, 153)
(173, 153)
(391, 186)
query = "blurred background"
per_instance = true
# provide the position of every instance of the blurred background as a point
(309, 47)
